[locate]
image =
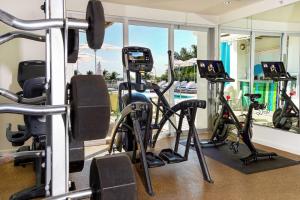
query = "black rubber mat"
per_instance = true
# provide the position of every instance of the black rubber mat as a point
(226, 156)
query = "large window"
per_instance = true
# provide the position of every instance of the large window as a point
(106, 61)
(185, 61)
(235, 54)
(267, 48)
(156, 39)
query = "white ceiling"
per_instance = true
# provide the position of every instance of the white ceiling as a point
(206, 7)
(289, 13)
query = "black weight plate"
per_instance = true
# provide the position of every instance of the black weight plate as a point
(73, 45)
(112, 177)
(96, 20)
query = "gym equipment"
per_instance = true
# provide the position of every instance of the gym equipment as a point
(133, 131)
(27, 70)
(111, 177)
(73, 45)
(284, 117)
(73, 41)
(105, 183)
(214, 72)
(21, 34)
(81, 104)
(94, 24)
(35, 128)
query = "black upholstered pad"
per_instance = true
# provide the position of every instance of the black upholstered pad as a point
(90, 107)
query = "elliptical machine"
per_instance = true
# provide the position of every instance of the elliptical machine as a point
(133, 132)
(284, 117)
(215, 73)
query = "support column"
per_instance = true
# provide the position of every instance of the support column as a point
(171, 90)
(58, 138)
(125, 43)
(252, 61)
(203, 39)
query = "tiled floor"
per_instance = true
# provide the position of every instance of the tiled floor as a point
(184, 181)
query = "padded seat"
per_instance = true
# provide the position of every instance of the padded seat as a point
(34, 125)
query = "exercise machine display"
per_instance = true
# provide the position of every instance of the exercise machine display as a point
(139, 60)
(214, 72)
(284, 117)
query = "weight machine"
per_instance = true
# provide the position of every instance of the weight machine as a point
(74, 115)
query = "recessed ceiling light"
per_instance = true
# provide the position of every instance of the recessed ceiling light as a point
(227, 2)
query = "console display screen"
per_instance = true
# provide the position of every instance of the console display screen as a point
(137, 59)
(136, 56)
(273, 69)
(211, 68)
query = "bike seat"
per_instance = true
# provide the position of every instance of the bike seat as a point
(253, 96)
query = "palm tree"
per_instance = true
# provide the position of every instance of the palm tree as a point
(114, 76)
(106, 74)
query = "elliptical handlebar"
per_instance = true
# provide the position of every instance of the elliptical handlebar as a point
(171, 68)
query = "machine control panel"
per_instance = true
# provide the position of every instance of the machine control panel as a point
(137, 59)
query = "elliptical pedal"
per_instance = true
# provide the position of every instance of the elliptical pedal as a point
(154, 160)
(170, 156)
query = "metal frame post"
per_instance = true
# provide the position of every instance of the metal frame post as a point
(56, 72)
(171, 90)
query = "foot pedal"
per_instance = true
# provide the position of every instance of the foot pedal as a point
(207, 143)
(170, 156)
(257, 156)
(154, 160)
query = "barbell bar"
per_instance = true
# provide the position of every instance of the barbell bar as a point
(20, 34)
(94, 24)
(19, 99)
(36, 110)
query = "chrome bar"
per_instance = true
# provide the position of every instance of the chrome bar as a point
(77, 23)
(29, 25)
(18, 34)
(32, 109)
(19, 154)
(33, 25)
(18, 99)
(82, 194)
(9, 95)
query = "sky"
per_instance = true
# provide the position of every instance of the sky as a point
(155, 38)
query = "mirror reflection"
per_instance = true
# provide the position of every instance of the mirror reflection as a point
(245, 45)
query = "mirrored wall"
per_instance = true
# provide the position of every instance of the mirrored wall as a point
(245, 46)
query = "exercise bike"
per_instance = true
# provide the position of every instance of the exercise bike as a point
(284, 117)
(215, 73)
(133, 133)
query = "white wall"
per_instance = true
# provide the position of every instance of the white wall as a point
(293, 63)
(276, 138)
(12, 53)
(260, 25)
(202, 114)
(293, 54)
